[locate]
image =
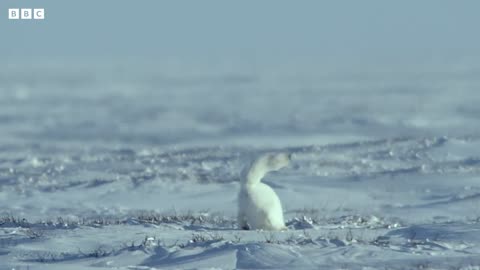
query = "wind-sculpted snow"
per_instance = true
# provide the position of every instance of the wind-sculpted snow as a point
(389, 157)
(173, 242)
(142, 171)
(397, 202)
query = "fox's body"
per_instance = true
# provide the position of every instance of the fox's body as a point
(258, 205)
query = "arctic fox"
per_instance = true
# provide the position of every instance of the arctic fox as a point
(258, 205)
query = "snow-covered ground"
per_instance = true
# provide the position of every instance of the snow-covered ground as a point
(126, 168)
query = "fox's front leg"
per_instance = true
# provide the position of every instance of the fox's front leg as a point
(242, 221)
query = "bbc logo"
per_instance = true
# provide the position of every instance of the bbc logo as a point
(26, 13)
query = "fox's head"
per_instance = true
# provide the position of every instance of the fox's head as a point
(276, 161)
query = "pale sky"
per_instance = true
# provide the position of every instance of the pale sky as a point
(335, 31)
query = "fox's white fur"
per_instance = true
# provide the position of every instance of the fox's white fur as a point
(258, 205)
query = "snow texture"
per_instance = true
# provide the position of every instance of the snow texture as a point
(114, 168)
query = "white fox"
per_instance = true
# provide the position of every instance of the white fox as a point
(258, 205)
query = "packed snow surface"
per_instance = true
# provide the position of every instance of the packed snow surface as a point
(116, 169)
